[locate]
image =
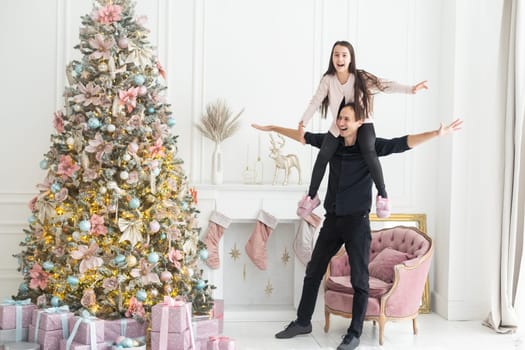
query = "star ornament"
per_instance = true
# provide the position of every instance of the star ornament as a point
(235, 253)
(285, 258)
(269, 288)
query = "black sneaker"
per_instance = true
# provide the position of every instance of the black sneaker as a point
(350, 342)
(294, 329)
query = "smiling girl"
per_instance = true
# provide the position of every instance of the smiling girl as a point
(343, 83)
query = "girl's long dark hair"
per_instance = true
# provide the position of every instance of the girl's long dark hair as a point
(363, 98)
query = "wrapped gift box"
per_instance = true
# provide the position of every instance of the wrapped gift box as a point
(49, 340)
(127, 327)
(220, 343)
(21, 346)
(9, 335)
(85, 326)
(78, 346)
(218, 313)
(205, 328)
(51, 319)
(176, 314)
(176, 341)
(8, 312)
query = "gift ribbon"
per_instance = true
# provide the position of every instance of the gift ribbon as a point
(123, 325)
(163, 336)
(86, 318)
(18, 320)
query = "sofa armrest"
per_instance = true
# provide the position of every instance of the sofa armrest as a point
(404, 298)
(339, 265)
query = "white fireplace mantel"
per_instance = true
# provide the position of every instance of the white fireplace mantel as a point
(241, 203)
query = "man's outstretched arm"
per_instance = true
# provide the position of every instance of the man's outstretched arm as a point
(417, 139)
(295, 134)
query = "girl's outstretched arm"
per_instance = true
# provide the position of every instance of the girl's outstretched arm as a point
(419, 86)
(295, 134)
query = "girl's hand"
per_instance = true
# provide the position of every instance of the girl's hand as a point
(419, 86)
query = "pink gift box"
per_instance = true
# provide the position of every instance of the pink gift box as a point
(9, 335)
(50, 320)
(8, 314)
(205, 328)
(49, 340)
(83, 333)
(218, 308)
(176, 341)
(78, 346)
(218, 313)
(127, 327)
(20, 346)
(177, 316)
(220, 343)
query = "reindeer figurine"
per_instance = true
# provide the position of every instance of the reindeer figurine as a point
(285, 162)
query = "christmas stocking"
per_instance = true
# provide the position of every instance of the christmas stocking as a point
(256, 245)
(304, 241)
(218, 222)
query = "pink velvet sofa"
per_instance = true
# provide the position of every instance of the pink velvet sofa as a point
(399, 263)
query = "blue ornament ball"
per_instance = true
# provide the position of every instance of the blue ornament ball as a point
(162, 236)
(139, 79)
(203, 254)
(153, 258)
(55, 187)
(55, 301)
(31, 219)
(44, 164)
(127, 343)
(141, 295)
(119, 259)
(200, 284)
(78, 68)
(151, 110)
(93, 123)
(23, 287)
(156, 171)
(72, 281)
(48, 265)
(134, 203)
(171, 122)
(84, 225)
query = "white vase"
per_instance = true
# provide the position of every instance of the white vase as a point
(216, 165)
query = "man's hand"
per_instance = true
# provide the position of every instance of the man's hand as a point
(452, 127)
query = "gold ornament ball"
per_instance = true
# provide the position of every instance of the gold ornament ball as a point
(131, 260)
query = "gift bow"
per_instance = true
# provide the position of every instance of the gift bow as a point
(85, 317)
(130, 231)
(53, 310)
(18, 320)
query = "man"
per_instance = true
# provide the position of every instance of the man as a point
(347, 204)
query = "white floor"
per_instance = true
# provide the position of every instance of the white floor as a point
(434, 333)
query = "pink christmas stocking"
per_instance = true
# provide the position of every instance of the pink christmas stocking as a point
(304, 242)
(218, 222)
(256, 245)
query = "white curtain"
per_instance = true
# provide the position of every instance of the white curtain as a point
(504, 317)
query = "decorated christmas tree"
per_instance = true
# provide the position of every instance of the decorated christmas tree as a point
(113, 228)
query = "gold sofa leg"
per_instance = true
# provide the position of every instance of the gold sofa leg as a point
(381, 322)
(414, 325)
(326, 321)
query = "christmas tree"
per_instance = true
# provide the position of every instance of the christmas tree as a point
(113, 228)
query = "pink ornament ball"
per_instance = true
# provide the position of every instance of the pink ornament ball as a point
(123, 42)
(165, 276)
(154, 226)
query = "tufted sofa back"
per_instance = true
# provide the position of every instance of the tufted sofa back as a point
(404, 239)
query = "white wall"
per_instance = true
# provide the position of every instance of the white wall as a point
(267, 57)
